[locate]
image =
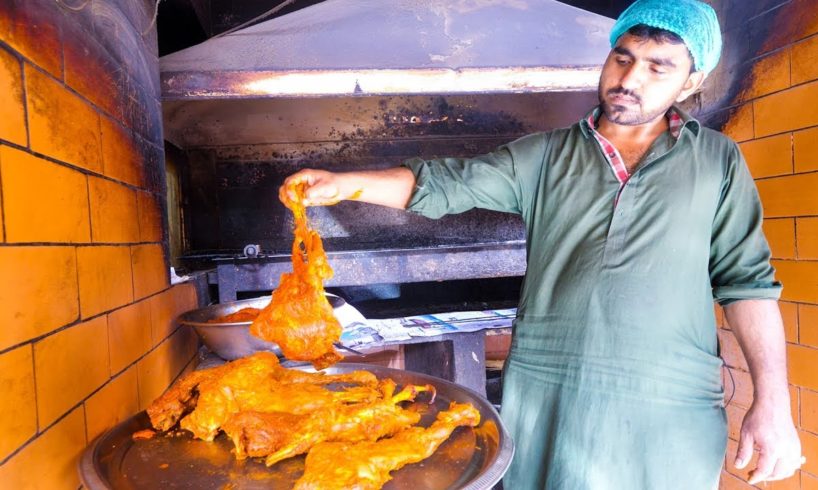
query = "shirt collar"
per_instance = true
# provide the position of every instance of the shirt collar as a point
(677, 120)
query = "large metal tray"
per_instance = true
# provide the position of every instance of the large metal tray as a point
(470, 459)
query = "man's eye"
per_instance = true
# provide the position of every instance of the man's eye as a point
(622, 61)
(657, 71)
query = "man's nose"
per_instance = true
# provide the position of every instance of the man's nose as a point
(632, 77)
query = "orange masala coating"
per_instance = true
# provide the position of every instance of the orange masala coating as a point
(240, 316)
(299, 318)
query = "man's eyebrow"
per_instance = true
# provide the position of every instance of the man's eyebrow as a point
(656, 61)
(623, 51)
(662, 62)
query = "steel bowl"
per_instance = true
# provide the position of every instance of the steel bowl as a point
(471, 459)
(233, 340)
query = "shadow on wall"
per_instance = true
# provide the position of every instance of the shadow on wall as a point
(752, 32)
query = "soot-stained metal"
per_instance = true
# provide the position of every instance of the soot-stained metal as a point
(242, 180)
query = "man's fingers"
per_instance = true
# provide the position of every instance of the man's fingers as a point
(764, 468)
(287, 190)
(784, 468)
(321, 194)
(321, 188)
(745, 450)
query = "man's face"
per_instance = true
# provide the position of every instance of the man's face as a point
(641, 79)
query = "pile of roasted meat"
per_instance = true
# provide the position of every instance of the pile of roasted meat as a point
(351, 426)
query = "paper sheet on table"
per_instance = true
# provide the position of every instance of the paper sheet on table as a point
(398, 329)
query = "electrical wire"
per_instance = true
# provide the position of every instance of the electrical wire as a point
(81, 7)
(257, 18)
(64, 5)
(153, 21)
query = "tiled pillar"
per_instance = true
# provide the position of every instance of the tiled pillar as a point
(86, 308)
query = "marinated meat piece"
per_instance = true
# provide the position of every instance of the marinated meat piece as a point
(280, 436)
(217, 402)
(300, 318)
(256, 382)
(366, 465)
(176, 402)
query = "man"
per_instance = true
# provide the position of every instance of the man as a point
(637, 218)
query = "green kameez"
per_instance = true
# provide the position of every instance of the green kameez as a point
(613, 380)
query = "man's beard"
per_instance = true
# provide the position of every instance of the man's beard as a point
(631, 114)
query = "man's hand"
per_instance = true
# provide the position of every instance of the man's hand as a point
(322, 188)
(768, 427)
(390, 187)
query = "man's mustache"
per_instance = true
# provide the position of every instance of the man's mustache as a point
(625, 92)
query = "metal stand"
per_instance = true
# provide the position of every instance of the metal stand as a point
(460, 358)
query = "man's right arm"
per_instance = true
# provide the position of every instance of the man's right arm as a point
(391, 187)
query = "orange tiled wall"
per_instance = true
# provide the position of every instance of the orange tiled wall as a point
(776, 122)
(86, 337)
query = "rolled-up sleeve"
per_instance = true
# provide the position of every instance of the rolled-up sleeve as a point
(491, 181)
(739, 254)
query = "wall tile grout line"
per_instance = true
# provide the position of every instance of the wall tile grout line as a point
(776, 92)
(796, 260)
(108, 343)
(133, 275)
(90, 223)
(77, 244)
(80, 320)
(795, 239)
(138, 381)
(809, 172)
(82, 402)
(798, 324)
(71, 166)
(85, 421)
(77, 270)
(39, 433)
(34, 377)
(85, 412)
(25, 98)
(2, 207)
(97, 390)
(753, 118)
(101, 155)
(774, 7)
(62, 83)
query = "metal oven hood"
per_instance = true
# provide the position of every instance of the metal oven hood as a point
(388, 47)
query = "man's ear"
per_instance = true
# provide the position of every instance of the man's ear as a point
(693, 83)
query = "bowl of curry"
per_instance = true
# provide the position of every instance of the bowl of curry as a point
(225, 327)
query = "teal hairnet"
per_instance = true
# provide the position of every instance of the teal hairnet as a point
(693, 21)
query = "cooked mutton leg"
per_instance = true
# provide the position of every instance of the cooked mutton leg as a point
(281, 436)
(238, 380)
(215, 406)
(179, 400)
(366, 465)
